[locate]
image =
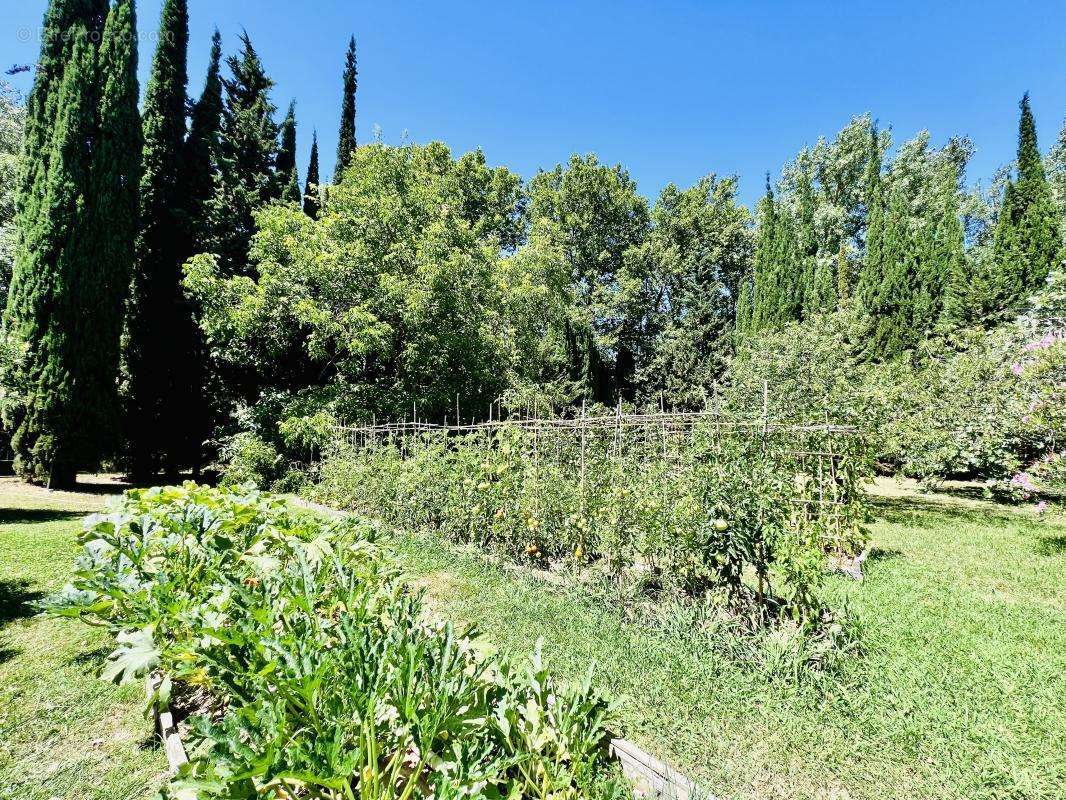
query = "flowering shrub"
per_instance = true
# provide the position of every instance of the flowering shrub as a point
(328, 678)
(987, 404)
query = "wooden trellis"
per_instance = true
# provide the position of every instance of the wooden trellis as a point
(826, 457)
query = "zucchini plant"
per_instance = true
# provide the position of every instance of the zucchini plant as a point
(328, 677)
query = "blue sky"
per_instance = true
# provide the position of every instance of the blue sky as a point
(671, 89)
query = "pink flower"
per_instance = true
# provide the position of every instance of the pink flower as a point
(1022, 481)
(1016, 368)
(1040, 507)
(1041, 344)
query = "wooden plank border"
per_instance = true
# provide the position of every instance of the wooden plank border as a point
(167, 729)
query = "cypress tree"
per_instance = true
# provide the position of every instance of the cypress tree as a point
(873, 262)
(248, 151)
(42, 106)
(762, 291)
(807, 294)
(158, 344)
(1027, 243)
(312, 191)
(346, 144)
(892, 303)
(46, 301)
(786, 300)
(201, 161)
(203, 220)
(287, 175)
(948, 287)
(114, 214)
(822, 295)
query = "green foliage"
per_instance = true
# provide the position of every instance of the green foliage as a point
(728, 511)
(891, 306)
(982, 404)
(12, 125)
(346, 137)
(247, 459)
(695, 256)
(384, 300)
(200, 162)
(327, 675)
(873, 260)
(114, 227)
(594, 219)
(61, 324)
(248, 155)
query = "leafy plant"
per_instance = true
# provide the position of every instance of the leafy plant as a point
(330, 679)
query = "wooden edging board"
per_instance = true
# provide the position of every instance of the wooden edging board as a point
(168, 731)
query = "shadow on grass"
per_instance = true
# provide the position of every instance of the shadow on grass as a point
(28, 516)
(910, 510)
(16, 599)
(884, 554)
(8, 653)
(1051, 545)
(91, 658)
(100, 487)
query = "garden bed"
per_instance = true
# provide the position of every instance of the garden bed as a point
(325, 674)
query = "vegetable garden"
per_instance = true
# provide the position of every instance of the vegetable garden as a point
(325, 679)
(744, 512)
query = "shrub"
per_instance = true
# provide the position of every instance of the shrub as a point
(246, 458)
(330, 680)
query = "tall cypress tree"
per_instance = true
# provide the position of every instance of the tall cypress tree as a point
(312, 190)
(873, 263)
(1027, 243)
(201, 161)
(787, 286)
(807, 293)
(158, 344)
(763, 292)
(287, 176)
(52, 396)
(947, 290)
(346, 144)
(892, 302)
(42, 106)
(204, 218)
(114, 223)
(961, 299)
(249, 149)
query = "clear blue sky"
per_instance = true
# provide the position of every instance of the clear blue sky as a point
(671, 89)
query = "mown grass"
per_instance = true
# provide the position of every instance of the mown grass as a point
(960, 691)
(63, 732)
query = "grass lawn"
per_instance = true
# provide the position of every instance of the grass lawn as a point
(960, 691)
(63, 732)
